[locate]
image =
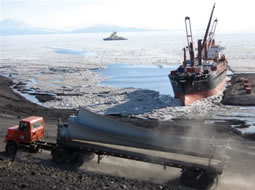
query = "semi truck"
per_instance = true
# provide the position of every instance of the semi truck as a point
(88, 135)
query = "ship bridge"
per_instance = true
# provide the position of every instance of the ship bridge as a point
(215, 52)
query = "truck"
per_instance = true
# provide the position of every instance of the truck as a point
(28, 135)
(89, 134)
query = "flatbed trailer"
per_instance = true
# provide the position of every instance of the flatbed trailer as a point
(162, 158)
(182, 161)
(197, 172)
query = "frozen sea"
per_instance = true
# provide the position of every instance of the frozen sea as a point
(160, 49)
(107, 74)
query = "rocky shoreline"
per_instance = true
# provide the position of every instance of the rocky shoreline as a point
(241, 91)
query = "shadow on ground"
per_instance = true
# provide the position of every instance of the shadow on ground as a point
(142, 101)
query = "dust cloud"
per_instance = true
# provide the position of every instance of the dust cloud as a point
(236, 182)
(132, 169)
(238, 173)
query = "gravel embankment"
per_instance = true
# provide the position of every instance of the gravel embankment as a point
(32, 174)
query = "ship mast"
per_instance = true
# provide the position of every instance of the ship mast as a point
(205, 43)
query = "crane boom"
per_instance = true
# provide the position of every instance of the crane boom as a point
(207, 30)
(212, 32)
(189, 40)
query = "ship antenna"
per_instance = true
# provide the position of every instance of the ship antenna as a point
(206, 34)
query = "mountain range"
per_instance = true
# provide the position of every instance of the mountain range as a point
(16, 27)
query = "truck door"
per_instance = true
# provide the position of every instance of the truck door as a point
(37, 130)
(24, 132)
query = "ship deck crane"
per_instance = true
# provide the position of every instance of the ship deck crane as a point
(205, 42)
(211, 34)
(189, 41)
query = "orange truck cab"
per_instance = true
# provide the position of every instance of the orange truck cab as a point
(29, 130)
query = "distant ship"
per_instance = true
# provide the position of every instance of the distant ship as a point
(204, 75)
(114, 36)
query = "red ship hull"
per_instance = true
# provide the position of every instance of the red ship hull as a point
(189, 98)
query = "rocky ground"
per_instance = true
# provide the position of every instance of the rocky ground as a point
(32, 174)
(26, 169)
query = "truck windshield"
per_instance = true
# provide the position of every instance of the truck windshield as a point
(36, 124)
(23, 126)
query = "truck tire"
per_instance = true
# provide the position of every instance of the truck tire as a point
(59, 156)
(11, 148)
(189, 178)
(77, 159)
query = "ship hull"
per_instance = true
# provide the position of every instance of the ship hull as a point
(192, 88)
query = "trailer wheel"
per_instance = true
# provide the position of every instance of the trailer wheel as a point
(59, 156)
(189, 178)
(11, 148)
(77, 159)
(205, 180)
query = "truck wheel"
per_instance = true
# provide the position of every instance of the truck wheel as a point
(11, 148)
(189, 178)
(77, 159)
(59, 156)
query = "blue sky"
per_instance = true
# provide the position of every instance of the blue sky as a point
(233, 15)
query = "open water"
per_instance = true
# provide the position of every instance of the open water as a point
(139, 76)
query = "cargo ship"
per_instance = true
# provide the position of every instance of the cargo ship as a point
(202, 75)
